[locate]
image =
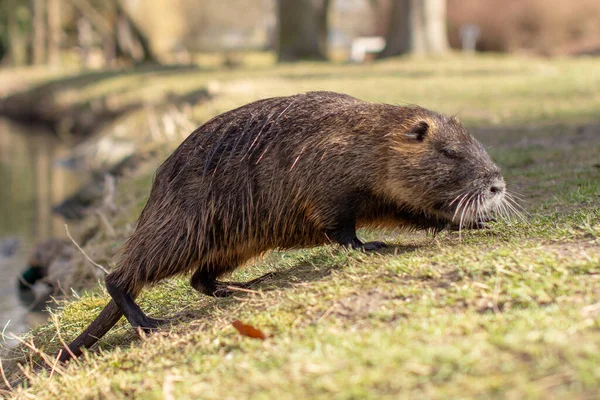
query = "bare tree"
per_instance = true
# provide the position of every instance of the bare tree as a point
(302, 29)
(15, 37)
(120, 33)
(38, 10)
(416, 26)
(131, 41)
(54, 32)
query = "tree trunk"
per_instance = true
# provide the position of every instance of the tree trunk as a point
(416, 26)
(17, 48)
(302, 29)
(435, 29)
(110, 51)
(135, 43)
(39, 32)
(131, 42)
(54, 32)
(398, 35)
(84, 39)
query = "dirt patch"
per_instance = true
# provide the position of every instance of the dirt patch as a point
(364, 305)
(539, 136)
(576, 251)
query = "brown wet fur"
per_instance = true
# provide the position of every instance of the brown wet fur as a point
(291, 172)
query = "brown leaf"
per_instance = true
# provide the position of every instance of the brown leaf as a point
(247, 330)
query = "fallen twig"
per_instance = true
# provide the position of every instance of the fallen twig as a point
(108, 200)
(327, 313)
(83, 252)
(40, 353)
(496, 296)
(167, 388)
(60, 339)
(107, 225)
(239, 289)
(6, 382)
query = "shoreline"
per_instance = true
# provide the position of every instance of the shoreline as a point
(62, 105)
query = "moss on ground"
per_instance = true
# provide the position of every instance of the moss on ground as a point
(512, 311)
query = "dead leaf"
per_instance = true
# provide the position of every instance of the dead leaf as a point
(247, 330)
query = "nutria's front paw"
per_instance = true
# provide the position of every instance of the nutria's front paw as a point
(356, 244)
(482, 223)
(222, 291)
(373, 246)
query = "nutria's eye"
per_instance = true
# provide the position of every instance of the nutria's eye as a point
(450, 153)
(418, 132)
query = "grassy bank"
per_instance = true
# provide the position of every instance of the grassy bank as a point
(513, 311)
(483, 91)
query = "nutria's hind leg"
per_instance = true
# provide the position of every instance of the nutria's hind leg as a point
(131, 310)
(205, 281)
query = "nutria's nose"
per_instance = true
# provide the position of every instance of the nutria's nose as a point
(497, 186)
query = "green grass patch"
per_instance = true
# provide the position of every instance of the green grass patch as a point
(510, 311)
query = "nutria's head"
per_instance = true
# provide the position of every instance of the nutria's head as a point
(437, 167)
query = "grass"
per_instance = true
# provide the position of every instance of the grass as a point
(508, 312)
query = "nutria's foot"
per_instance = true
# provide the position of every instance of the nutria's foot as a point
(158, 322)
(226, 289)
(132, 311)
(478, 225)
(344, 233)
(373, 246)
(222, 289)
(148, 324)
(369, 246)
(481, 223)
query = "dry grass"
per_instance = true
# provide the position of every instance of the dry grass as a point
(507, 312)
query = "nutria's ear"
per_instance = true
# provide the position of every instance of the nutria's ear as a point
(418, 132)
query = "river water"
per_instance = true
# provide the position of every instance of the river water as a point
(31, 181)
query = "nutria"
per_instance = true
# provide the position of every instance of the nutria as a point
(291, 172)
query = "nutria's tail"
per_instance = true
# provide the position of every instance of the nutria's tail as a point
(108, 317)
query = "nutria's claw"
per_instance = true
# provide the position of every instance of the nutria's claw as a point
(478, 225)
(159, 321)
(373, 246)
(226, 289)
(482, 223)
(148, 324)
(222, 291)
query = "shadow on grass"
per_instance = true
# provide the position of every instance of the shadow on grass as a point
(311, 268)
(410, 74)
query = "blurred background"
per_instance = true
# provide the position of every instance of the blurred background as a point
(95, 90)
(107, 34)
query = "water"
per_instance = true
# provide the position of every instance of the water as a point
(30, 183)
